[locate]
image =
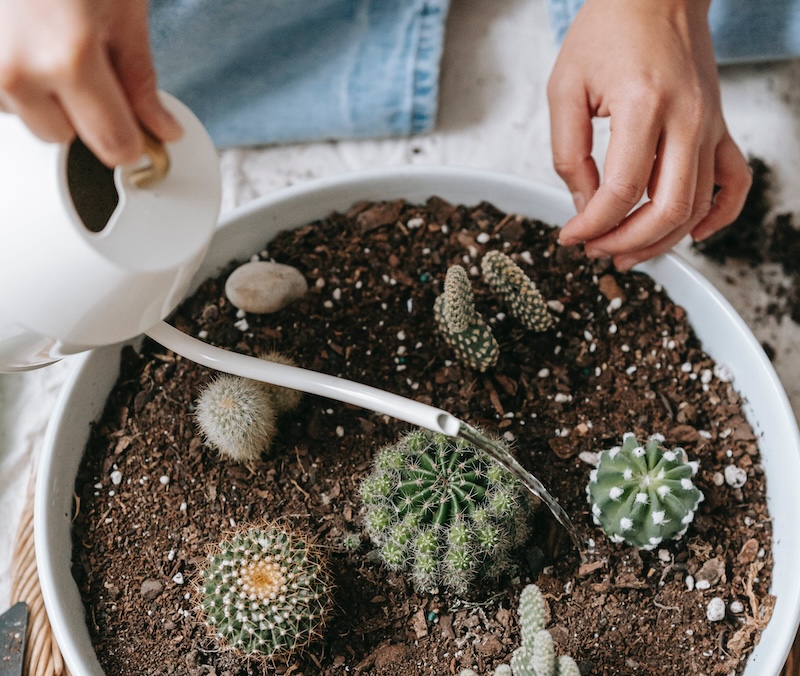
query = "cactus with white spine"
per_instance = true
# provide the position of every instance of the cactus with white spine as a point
(443, 510)
(283, 398)
(237, 417)
(462, 327)
(536, 656)
(517, 290)
(266, 591)
(643, 494)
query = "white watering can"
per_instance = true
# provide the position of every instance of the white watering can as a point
(95, 257)
(92, 257)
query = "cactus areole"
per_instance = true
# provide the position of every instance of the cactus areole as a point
(266, 592)
(642, 493)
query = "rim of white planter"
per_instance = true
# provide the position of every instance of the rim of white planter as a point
(725, 337)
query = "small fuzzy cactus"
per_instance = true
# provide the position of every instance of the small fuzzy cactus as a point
(237, 417)
(283, 398)
(517, 290)
(642, 494)
(536, 656)
(266, 592)
(444, 511)
(462, 327)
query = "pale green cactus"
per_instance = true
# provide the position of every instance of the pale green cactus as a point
(517, 290)
(462, 327)
(536, 656)
(442, 510)
(266, 592)
(283, 398)
(643, 494)
(237, 417)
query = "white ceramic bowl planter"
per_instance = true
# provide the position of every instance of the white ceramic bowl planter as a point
(724, 335)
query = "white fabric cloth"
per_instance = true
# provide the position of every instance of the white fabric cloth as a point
(493, 115)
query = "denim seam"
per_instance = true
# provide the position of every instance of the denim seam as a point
(427, 66)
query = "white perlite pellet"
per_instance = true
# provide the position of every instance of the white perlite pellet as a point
(723, 373)
(178, 578)
(715, 610)
(735, 476)
(116, 477)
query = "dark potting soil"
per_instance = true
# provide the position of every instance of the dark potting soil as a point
(608, 367)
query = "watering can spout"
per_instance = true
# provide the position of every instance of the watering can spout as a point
(96, 256)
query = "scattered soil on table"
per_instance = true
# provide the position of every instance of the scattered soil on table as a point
(608, 367)
(765, 242)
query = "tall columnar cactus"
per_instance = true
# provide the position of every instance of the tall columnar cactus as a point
(237, 417)
(536, 656)
(517, 290)
(443, 510)
(266, 591)
(461, 325)
(642, 494)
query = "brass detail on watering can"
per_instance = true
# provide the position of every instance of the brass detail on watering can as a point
(158, 166)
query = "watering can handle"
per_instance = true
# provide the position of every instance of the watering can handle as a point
(157, 166)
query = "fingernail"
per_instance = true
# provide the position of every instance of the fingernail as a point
(568, 241)
(171, 126)
(625, 263)
(594, 252)
(579, 200)
(699, 237)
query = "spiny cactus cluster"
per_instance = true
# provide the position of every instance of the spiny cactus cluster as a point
(461, 325)
(238, 417)
(443, 510)
(517, 290)
(642, 494)
(266, 591)
(536, 655)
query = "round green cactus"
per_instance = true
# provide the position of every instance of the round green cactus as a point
(463, 328)
(443, 510)
(643, 494)
(237, 417)
(517, 290)
(266, 591)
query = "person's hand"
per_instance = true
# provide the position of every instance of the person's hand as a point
(648, 65)
(82, 66)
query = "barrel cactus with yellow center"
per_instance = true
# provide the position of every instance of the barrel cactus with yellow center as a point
(643, 493)
(443, 511)
(266, 591)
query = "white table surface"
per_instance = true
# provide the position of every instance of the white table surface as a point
(493, 115)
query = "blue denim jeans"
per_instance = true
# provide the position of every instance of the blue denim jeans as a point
(276, 71)
(744, 31)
